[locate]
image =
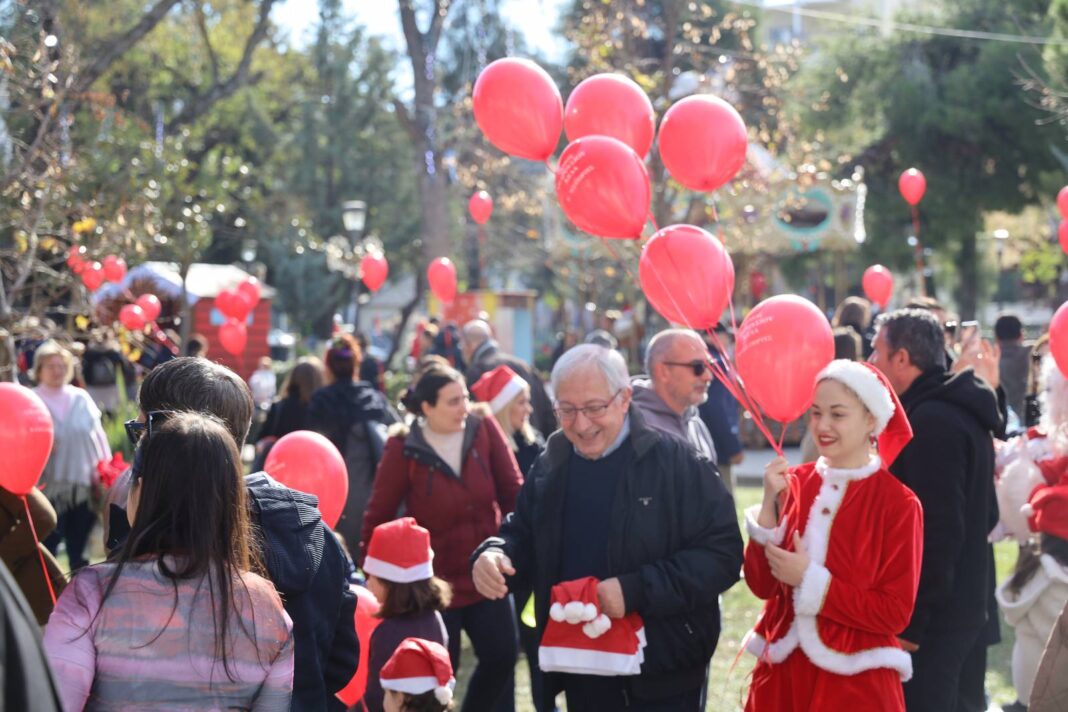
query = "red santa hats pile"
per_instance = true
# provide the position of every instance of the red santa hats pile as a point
(417, 667)
(498, 387)
(892, 426)
(1047, 510)
(400, 552)
(579, 639)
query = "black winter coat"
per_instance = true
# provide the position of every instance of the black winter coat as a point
(949, 464)
(674, 545)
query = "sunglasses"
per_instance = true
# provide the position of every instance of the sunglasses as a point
(136, 429)
(698, 367)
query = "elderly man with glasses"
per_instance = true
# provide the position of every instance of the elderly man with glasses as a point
(613, 499)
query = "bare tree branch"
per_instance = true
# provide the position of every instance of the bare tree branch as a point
(202, 27)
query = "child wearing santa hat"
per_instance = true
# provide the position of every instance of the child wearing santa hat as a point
(835, 551)
(400, 573)
(418, 678)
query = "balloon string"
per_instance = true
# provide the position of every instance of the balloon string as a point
(40, 554)
(550, 165)
(918, 250)
(652, 219)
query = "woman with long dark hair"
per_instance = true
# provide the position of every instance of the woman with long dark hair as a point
(290, 412)
(176, 619)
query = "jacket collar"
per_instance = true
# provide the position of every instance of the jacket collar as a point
(558, 449)
(417, 447)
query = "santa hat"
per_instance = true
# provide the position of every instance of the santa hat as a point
(498, 387)
(1047, 511)
(582, 640)
(400, 552)
(871, 386)
(419, 666)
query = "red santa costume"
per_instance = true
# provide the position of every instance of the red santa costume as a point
(831, 642)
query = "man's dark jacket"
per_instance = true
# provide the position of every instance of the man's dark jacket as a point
(489, 356)
(949, 464)
(674, 545)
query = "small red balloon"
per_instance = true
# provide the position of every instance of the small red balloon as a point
(150, 305)
(25, 438)
(233, 304)
(92, 276)
(687, 275)
(114, 268)
(441, 275)
(703, 142)
(309, 462)
(603, 187)
(374, 269)
(76, 258)
(878, 285)
(912, 184)
(233, 335)
(1058, 338)
(1062, 202)
(480, 206)
(250, 290)
(1062, 235)
(132, 317)
(518, 108)
(758, 284)
(781, 346)
(611, 105)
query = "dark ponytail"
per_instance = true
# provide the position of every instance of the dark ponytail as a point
(427, 386)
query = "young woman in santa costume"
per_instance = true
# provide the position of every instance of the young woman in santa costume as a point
(835, 550)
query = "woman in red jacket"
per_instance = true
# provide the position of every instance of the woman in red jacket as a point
(835, 550)
(455, 473)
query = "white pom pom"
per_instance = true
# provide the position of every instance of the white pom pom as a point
(592, 631)
(573, 611)
(556, 612)
(590, 613)
(603, 623)
(1027, 510)
(443, 695)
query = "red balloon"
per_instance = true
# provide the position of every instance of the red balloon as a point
(912, 185)
(1062, 202)
(374, 270)
(1062, 235)
(366, 621)
(132, 317)
(782, 345)
(150, 305)
(603, 187)
(92, 276)
(233, 335)
(758, 284)
(233, 304)
(441, 275)
(308, 462)
(114, 268)
(1058, 338)
(518, 108)
(25, 438)
(76, 258)
(611, 105)
(687, 275)
(250, 290)
(703, 142)
(878, 285)
(480, 206)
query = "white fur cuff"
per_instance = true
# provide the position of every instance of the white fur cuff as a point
(762, 535)
(808, 598)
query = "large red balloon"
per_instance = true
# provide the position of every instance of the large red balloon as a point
(233, 304)
(912, 185)
(92, 275)
(25, 438)
(687, 275)
(114, 268)
(703, 142)
(374, 270)
(308, 462)
(1062, 202)
(782, 345)
(132, 317)
(441, 275)
(611, 105)
(518, 108)
(603, 187)
(233, 335)
(150, 305)
(480, 206)
(250, 290)
(878, 285)
(1058, 338)
(365, 621)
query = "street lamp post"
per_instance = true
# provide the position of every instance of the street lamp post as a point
(354, 218)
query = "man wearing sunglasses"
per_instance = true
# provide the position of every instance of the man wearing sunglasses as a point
(677, 363)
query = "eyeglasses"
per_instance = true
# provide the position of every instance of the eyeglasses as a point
(699, 367)
(135, 429)
(592, 411)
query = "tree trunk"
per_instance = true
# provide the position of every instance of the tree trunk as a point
(968, 289)
(406, 314)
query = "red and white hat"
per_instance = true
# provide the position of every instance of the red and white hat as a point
(418, 666)
(400, 552)
(1047, 510)
(892, 426)
(498, 387)
(579, 639)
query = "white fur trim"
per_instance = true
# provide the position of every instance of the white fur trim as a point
(762, 535)
(443, 695)
(849, 663)
(840, 475)
(589, 662)
(866, 385)
(510, 391)
(397, 574)
(813, 589)
(412, 685)
(1027, 511)
(1018, 480)
(1053, 569)
(778, 650)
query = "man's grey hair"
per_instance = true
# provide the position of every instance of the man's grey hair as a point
(662, 342)
(611, 364)
(919, 333)
(476, 332)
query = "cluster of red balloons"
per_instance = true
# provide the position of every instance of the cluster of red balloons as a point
(144, 310)
(235, 304)
(93, 273)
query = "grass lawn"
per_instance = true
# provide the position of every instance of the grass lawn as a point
(727, 687)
